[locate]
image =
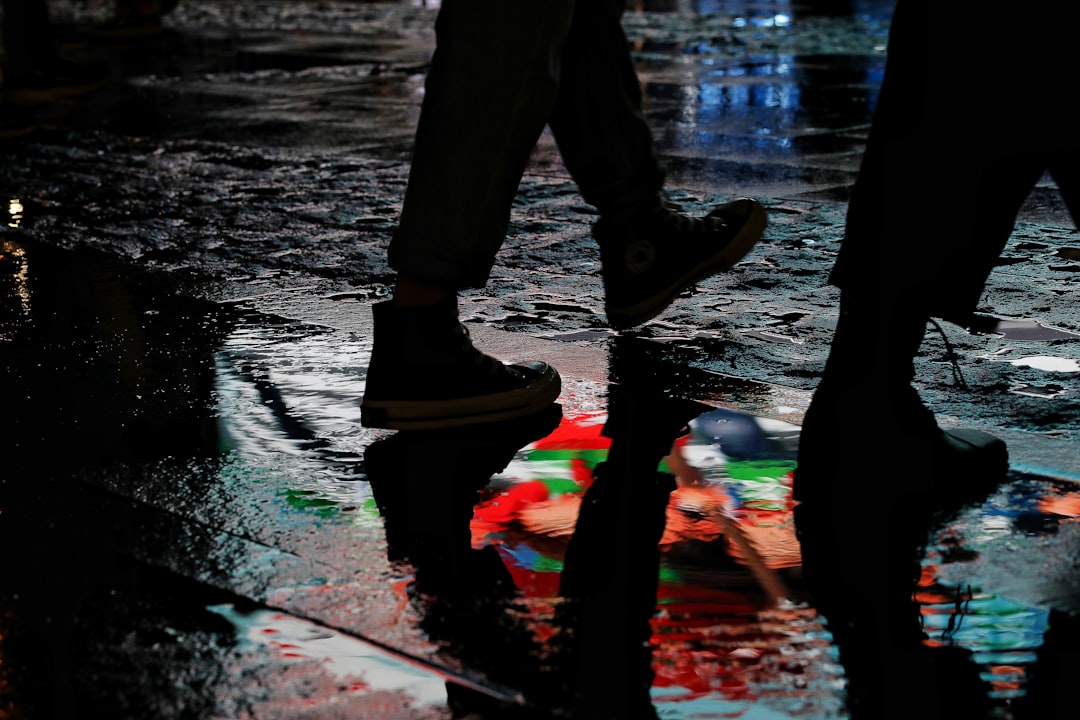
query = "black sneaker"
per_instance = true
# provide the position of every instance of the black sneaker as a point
(650, 258)
(425, 374)
(901, 447)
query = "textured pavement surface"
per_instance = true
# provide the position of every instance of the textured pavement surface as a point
(276, 143)
(193, 251)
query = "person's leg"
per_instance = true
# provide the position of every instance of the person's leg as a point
(488, 94)
(649, 253)
(895, 271)
(598, 120)
(986, 142)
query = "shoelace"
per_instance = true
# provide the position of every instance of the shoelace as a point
(481, 360)
(961, 609)
(958, 376)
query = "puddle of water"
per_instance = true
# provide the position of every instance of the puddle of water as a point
(1048, 392)
(993, 612)
(289, 389)
(725, 469)
(1048, 363)
(589, 335)
(15, 210)
(1031, 330)
(308, 382)
(720, 645)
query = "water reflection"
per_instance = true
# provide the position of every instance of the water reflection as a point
(426, 484)
(226, 417)
(862, 572)
(289, 387)
(93, 361)
(1031, 330)
(611, 577)
(358, 666)
(941, 612)
(15, 211)
(729, 83)
(100, 367)
(1000, 581)
(653, 540)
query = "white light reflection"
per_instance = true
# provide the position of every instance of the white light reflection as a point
(1048, 363)
(15, 212)
(778, 20)
(366, 666)
(289, 396)
(16, 255)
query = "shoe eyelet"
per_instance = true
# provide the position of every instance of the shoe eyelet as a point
(639, 256)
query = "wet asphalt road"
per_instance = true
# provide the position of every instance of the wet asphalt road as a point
(187, 265)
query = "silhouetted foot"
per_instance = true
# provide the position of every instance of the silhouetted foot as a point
(656, 254)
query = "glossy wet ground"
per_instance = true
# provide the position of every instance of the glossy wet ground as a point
(187, 269)
(197, 511)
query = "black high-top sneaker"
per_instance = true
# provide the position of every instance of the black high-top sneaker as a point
(655, 254)
(867, 421)
(425, 374)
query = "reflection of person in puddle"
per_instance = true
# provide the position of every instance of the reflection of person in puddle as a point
(897, 269)
(869, 444)
(501, 72)
(611, 573)
(426, 485)
(598, 664)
